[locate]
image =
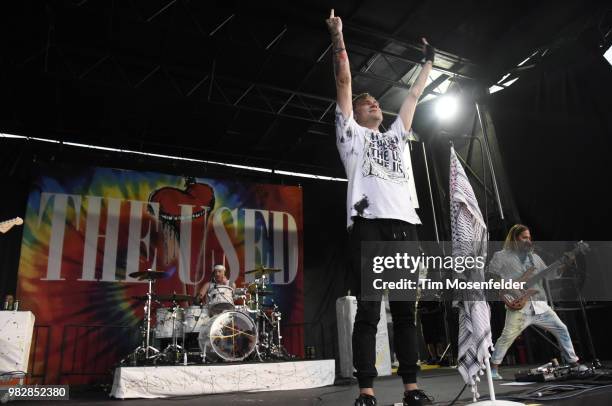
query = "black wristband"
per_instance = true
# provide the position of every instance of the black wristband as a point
(430, 53)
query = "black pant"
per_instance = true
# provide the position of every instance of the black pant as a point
(368, 312)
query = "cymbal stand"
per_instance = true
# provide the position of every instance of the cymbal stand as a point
(258, 324)
(146, 346)
(184, 323)
(257, 288)
(257, 352)
(275, 347)
(148, 310)
(174, 347)
(277, 316)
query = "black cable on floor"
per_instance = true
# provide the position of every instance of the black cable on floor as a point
(320, 400)
(539, 395)
(458, 396)
(578, 391)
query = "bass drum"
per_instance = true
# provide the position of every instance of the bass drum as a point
(229, 336)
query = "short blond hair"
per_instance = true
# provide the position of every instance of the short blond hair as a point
(360, 97)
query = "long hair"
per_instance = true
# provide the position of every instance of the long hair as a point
(512, 237)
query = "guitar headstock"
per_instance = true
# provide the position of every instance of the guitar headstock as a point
(8, 224)
(581, 247)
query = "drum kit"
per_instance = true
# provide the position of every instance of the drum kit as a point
(231, 325)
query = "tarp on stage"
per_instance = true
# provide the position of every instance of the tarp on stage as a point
(167, 381)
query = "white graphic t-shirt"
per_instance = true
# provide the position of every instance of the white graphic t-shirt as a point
(378, 182)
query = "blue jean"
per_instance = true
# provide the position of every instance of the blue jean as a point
(517, 321)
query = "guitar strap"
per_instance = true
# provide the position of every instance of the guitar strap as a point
(529, 262)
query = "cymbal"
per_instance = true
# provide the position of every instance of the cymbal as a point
(262, 270)
(252, 288)
(148, 275)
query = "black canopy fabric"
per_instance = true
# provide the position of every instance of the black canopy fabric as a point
(245, 82)
(554, 127)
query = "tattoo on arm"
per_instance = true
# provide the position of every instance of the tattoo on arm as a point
(340, 57)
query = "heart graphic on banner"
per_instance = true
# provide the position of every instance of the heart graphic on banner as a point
(170, 199)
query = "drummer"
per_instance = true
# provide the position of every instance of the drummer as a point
(218, 278)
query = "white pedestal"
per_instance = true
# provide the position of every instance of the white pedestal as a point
(493, 401)
(16, 329)
(346, 308)
(194, 380)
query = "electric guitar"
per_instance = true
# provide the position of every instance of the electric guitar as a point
(516, 299)
(8, 224)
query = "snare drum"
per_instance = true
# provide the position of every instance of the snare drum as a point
(166, 319)
(220, 299)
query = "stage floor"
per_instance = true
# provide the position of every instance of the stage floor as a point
(443, 384)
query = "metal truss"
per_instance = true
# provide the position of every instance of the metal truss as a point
(219, 88)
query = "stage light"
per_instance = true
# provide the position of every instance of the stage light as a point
(495, 88)
(446, 107)
(608, 55)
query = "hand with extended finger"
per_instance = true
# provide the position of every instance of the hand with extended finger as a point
(429, 52)
(334, 24)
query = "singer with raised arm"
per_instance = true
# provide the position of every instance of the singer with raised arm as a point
(379, 208)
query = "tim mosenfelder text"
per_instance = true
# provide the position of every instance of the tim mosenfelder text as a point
(457, 284)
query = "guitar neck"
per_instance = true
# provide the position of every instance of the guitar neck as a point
(8, 224)
(543, 273)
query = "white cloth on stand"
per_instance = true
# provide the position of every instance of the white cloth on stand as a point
(469, 238)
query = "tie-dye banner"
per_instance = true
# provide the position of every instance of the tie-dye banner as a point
(87, 229)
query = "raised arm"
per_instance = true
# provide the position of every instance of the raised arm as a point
(342, 69)
(416, 90)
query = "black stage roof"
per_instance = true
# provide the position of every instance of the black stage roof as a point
(248, 82)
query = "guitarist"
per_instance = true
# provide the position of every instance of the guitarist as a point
(518, 262)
